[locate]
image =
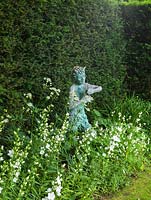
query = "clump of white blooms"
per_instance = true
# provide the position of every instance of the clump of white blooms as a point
(13, 166)
(36, 160)
(52, 90)
(1, 189)
(28, 96)
(30, 105)
(55, 190)
(1, 153)
(4, 120)
(121, 140)
(10, 153)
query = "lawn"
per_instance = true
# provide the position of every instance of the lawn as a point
(139, 188)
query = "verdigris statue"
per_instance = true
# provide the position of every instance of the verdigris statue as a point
(80, 95)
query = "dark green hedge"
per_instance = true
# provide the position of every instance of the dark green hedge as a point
(46, 38)
(137, 24)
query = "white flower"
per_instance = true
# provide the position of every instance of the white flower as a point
(30, 104)
(138, 129)
(29, 95)
(10, 153)
(49, 190)
(51, 196)
(42, 151)
(104, 154)
(15, 180)
(17, 174)
(64, 165)
(1, 158)
(2, 147)
(1, 189)
(58, 180)
(87, 109)
(48, 80)
(112, 147)
(116, 138)
(48, 97)
(130, 136)
(5, 120)
(119, 129)
(96, 124)
(47, 146)
(17, 165)
(137, 120)
(58, 190)
(93, 133)
(119, 114)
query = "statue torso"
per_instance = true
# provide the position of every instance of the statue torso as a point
(80, 90)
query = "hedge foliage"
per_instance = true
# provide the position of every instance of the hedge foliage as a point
(46, 38)
(137, 25)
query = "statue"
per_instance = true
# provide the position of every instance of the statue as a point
(79, 96)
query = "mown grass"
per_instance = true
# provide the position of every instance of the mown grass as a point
(137, 3)
(139, 189)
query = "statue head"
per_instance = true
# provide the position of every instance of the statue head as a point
(79, 75)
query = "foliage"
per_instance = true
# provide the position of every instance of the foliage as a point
(136, 2)
(137, 25)
(53, 163)
(47, 38)
(132, 107)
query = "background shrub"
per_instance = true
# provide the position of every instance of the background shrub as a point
(137, 26)
(47, 38)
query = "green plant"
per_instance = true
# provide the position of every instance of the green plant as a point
(54, 163)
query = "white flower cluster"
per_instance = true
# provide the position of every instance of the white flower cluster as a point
(1, 190)
(123, 139)
(88, 136)
(50, 139)
(29, 179)
(28, 96)
(50, 144)
(30, 104)
(48, 80)
(65, 125)
(84, 147)
(1, 153)
(17, 160)
(42, 150)
(13, 166)
(4, 120)
(48, 85)
(114, 143)
(55, 190)
(10, 153)
(28, 99)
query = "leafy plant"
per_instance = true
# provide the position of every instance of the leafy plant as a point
(53, 163)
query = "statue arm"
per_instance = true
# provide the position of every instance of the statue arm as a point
(74, 100)
(92, 88)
